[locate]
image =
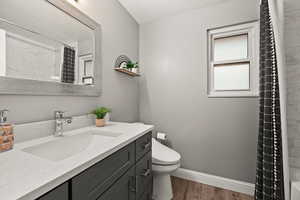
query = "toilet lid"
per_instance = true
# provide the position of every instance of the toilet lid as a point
(163, 155)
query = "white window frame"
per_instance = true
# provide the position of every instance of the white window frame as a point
(250, 28)
(82, 60)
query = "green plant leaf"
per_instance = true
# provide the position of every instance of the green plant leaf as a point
(131, 65)
(101, 112)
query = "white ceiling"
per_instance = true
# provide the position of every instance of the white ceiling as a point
(148, 10)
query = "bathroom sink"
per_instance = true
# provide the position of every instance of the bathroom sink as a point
(64, 147)
(104, 133)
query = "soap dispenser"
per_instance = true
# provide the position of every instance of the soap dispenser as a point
(6, 132)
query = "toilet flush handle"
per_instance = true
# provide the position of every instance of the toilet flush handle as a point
(147, 145)
(146, 173)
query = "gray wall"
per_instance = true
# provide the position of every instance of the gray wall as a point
(292, 46)
(214, 135)
(120, 36)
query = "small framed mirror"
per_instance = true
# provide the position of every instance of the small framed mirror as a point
(48, 47)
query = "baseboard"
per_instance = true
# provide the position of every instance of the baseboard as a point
(216, 181)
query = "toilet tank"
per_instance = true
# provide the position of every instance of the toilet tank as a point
(295, 192)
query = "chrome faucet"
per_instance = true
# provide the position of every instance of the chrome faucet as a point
(60, 120)
(3, 117)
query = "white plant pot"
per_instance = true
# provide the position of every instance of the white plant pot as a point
(135, 70)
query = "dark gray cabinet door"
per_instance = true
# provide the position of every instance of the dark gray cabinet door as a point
(59, 193)
(124, 175)
(143, 145)
(147, 195)
(91, 183)
(144, 174)
(123, 189)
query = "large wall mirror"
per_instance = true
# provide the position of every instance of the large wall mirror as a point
(48, 47)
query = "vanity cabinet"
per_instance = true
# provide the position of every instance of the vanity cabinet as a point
(91, 183)
(59, 193)
(147, 195)
(144, 174)
(143, 145)
(124, 175)
(123, 189)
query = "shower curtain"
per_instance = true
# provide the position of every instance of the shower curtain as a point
(272, 166)
(68, 68)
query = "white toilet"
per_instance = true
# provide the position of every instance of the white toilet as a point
(164, 162)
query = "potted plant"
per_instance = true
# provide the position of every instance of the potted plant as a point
(132, 66)
(135, 68)
(100, 114)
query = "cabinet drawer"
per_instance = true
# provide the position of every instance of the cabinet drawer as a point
(59, 193)
(123, 189)
(143, 145)
(144, 174)
(90, 184)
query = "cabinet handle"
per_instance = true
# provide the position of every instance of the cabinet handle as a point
(136, 184)
(147, 145)
(146, 173)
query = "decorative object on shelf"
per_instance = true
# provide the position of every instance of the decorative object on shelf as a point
(135, 70)
(122, 61)
(125, 65)
(100, 114)
(133, 67)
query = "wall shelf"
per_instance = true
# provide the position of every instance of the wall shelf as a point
(130, 73)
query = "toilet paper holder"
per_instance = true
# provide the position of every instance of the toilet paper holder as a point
(162, 138)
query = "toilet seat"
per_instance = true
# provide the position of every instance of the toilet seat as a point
(163, 155)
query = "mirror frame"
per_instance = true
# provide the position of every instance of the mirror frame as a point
(17, 86)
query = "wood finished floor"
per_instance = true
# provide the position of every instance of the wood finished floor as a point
(188, 190)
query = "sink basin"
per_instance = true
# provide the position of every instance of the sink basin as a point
(105, 133)
(64, 147)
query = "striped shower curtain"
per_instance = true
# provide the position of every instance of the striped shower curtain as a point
(68, 68)
(269, 172)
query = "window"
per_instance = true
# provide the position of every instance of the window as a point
(86, 69)
(233, 61)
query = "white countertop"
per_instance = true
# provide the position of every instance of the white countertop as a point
(26, 177)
